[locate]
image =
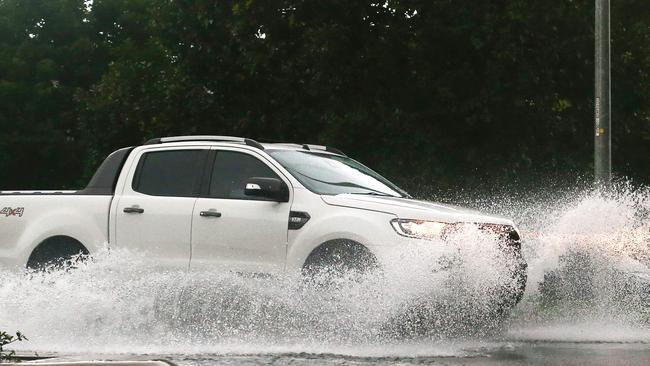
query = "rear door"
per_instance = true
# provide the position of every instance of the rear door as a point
(236, 231)
(154, 212)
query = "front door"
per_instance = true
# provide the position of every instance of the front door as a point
(236, 231)
(154, 213)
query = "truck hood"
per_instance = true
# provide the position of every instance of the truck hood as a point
(414, 209)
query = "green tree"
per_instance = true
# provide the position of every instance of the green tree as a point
(449, 94)
(45, 57)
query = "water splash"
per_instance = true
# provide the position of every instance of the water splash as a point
(589, 267)
(118, 303)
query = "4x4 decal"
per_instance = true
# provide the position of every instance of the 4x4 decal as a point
(8, 211)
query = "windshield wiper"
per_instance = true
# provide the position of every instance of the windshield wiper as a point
(374, 193)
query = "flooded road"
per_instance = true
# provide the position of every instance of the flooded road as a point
(516, 354)
(476, 353)
(587, 302)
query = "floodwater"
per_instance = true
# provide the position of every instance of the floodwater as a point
(587, 301)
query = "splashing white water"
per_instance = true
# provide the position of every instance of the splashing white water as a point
(118, 303)
(589, 268)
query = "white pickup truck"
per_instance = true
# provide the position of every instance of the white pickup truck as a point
(195, 201)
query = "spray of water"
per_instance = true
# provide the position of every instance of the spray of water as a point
(589, 266)
(587, 256)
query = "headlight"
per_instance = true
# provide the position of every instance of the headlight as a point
(420, 228)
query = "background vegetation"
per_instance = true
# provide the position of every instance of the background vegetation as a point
(448, 93)
(7, 339)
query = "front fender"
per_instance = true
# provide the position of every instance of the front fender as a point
(369, 228)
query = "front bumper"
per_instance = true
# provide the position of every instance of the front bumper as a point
(449, 255)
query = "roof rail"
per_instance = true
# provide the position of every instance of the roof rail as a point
(240, 140)
(324, 148)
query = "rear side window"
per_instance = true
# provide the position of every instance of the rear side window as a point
(231, 171)
(174, 173)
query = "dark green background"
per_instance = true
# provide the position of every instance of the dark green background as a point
(443, 94)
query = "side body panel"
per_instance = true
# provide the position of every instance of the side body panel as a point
(84, 218)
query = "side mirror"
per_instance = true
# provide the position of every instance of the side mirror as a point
(271, 188)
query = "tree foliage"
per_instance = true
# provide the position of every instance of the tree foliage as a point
(448, 93)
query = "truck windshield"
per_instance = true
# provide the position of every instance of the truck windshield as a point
(334, 174)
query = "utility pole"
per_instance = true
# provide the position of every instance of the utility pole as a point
(603, 121)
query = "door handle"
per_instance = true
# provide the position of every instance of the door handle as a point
(211, 213)
(137, 210)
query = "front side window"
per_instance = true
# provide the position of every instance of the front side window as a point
(334, 174)
(231, 171)
(175, 173)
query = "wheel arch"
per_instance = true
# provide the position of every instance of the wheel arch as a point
(339, 257)
(53, 246)
(330, 246)
(347, 244)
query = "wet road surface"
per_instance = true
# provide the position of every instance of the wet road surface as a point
(517, 354)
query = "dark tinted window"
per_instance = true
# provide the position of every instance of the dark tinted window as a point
(231, 170)
(170, 173)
